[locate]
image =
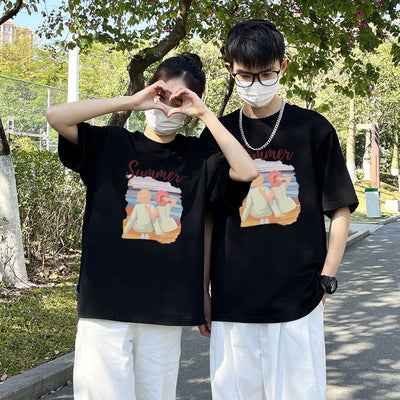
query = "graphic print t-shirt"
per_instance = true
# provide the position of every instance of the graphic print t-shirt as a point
(142, 246)
(267, 254)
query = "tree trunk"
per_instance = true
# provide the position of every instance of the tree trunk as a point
(227, 96)
(351, 140)
(148, 56)
(394, 168)
(12, 260)
(367, 156)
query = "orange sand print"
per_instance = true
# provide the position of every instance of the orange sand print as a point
(273, 196)
(153, 212)
(286, 219)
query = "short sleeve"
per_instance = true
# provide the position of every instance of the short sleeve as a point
(337, 188)
(220, 187)
(79, 157)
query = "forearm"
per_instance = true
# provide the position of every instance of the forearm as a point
(242, 166)
(64, 117)
(338, 233)
(79, 111)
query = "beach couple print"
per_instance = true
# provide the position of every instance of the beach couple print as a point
(154, 210)
(154, 207)
(273, 196)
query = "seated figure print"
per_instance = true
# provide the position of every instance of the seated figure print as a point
(279, 185)
(140, 219)
(260, 202)
(161, 217)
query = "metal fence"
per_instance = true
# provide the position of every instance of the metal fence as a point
(23, 106)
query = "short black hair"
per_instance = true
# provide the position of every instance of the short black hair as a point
(254, 43)
(187, 66)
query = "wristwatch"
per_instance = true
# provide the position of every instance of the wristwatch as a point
(330, 283)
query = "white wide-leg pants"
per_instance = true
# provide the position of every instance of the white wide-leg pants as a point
(126, 361)
(274, 361)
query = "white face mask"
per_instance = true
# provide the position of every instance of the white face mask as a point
(163, 125)
(258, 95)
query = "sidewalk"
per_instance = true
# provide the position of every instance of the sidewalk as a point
(362, 325)
(362, 320)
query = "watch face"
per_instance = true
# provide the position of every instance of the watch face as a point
(330, 283)
(332, 286)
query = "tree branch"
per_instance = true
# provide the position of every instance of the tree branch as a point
(12, 12)
(150, 55)
(227, 96)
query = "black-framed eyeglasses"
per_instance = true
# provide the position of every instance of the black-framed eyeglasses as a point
(246, 79)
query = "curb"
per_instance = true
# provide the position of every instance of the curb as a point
(389, 219)
(357, 237)
(33, 384)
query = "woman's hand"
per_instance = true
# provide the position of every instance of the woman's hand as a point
(191, 105)
(144, 99)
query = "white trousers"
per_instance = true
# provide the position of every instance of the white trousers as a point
(275, 361)
(125, 361)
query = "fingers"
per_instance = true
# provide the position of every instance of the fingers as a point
(161, 86)
(204, 330)
(181, 91)
(175, 110)
(159, 90)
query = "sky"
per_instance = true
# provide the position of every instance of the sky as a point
(33, 21)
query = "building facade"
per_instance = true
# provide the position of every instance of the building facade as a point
(9, 32)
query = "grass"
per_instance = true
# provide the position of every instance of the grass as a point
(38, 324)
(387, 192)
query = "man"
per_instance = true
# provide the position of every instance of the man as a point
(270, 275)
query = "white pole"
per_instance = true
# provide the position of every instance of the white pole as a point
(73, 74)
(48, 125)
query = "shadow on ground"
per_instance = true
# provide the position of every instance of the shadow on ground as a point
(193, 380)
(362, 321)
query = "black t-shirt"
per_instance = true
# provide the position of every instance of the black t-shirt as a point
(142, 246)
(267, 255)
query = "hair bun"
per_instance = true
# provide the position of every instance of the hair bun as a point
(192, 57)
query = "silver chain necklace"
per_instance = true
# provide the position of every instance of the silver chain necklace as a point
(278, 121)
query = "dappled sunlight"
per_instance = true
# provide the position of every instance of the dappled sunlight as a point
(362, 321)
(194, 380)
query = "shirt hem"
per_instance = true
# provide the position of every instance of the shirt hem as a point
(145, 319)
(259, 319)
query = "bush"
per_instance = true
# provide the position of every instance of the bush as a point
(51, 201)
(390, 179)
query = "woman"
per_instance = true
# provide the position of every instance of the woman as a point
(135, 295)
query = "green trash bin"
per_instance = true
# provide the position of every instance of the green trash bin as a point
(373, 202)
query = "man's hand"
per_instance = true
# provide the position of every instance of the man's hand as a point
(324, 297)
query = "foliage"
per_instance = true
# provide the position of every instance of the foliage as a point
(319, 34)
(51, 202)
(384, 103)
(27, 101)
(381, 105)
(103, 72)
(389, 179)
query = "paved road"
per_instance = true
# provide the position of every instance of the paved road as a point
(362, 321)
(362, 324)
